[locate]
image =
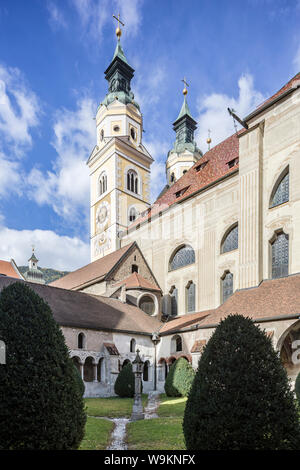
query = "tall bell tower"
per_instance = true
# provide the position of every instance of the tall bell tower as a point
(119, 163)
(185, 152)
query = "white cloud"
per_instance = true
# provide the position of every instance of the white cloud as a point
(66, 186)
(296, 61)
(213, 112)
(54, 251)
(10, 177)
(19, 110)
(56, 17)
(96, 14)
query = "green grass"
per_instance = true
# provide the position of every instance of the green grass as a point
(171, 406)
(156, 434)
(97, 434)
(112, 407)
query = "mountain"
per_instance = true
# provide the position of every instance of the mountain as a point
(50, 274)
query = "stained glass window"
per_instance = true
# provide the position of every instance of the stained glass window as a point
(184, 256)
(231, 240)
(280, 256)
(190, 297)
(281, 192)
(227, 286)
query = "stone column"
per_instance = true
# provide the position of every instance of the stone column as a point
(95, 372)
(81, 369)
(137, 368)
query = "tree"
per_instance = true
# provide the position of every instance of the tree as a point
(241, 397)
(124, 385)
(179, 379)
(41, 404)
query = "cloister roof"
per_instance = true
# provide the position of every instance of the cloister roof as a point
(136, 281)
(79, 310)
(9, 268)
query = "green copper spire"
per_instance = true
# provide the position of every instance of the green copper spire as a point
(119, 52)
(119, 75)
(184, 126)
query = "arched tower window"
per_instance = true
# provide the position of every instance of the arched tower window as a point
(227, 285)
(191, 296)
(280, 193)
(132, 181)
(280, 255)
(174, 300)
(81, 341)
(172, 178)
(132, 345)
(230, 240)
(102, 183)
(132, 215)
(146, 371)
(183, 256)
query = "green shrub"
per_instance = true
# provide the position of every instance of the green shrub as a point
(124, 385)
(297, 388)
(41, 406)
(241, 396)
(79, 381)
(179, 379)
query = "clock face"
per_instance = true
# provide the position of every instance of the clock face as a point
(102, 215)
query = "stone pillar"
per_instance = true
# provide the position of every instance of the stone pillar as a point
(81, 369)
(137, 369)
(95, 372)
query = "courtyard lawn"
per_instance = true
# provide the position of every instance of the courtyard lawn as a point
(111, 407)
(163, 433)
(156, 434)
(171, 406)
(97, 434)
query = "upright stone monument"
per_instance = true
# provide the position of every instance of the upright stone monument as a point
(137, 369)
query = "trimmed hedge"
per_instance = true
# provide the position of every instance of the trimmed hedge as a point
(297, 388)
(241, 396)
(179, 379)
(124, 385)
(41, 406)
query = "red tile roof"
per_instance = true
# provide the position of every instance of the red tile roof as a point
(136, 281)
(192, 181)
(9, 268)
(92, 271)
(293, 83)
(183, 321)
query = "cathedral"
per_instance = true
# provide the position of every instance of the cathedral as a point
(223, 237)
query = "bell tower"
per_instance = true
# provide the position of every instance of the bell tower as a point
(119, 163)
(185, 152)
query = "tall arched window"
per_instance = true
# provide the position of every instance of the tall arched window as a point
(132, 345)
(190, 297)
(146, 371)
(81, 341)
(101, 370)
(280, 255)
(132, 181)
(280, 193)
(102, 183)
(174, 301)
(227, 285)
(230, 240)
(183, 256)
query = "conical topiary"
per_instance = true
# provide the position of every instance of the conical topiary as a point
(41, 404)
(179, 379)
(124, 384)
(241, 397)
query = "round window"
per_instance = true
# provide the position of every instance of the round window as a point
(147, 304)
(133, 133)
(116, 129)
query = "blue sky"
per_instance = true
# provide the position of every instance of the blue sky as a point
(52, 57)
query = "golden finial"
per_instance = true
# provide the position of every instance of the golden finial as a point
(118, 30)
(208, 140)
(184, 91)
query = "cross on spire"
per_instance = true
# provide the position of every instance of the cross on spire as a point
(118, 30)
(185, 86)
